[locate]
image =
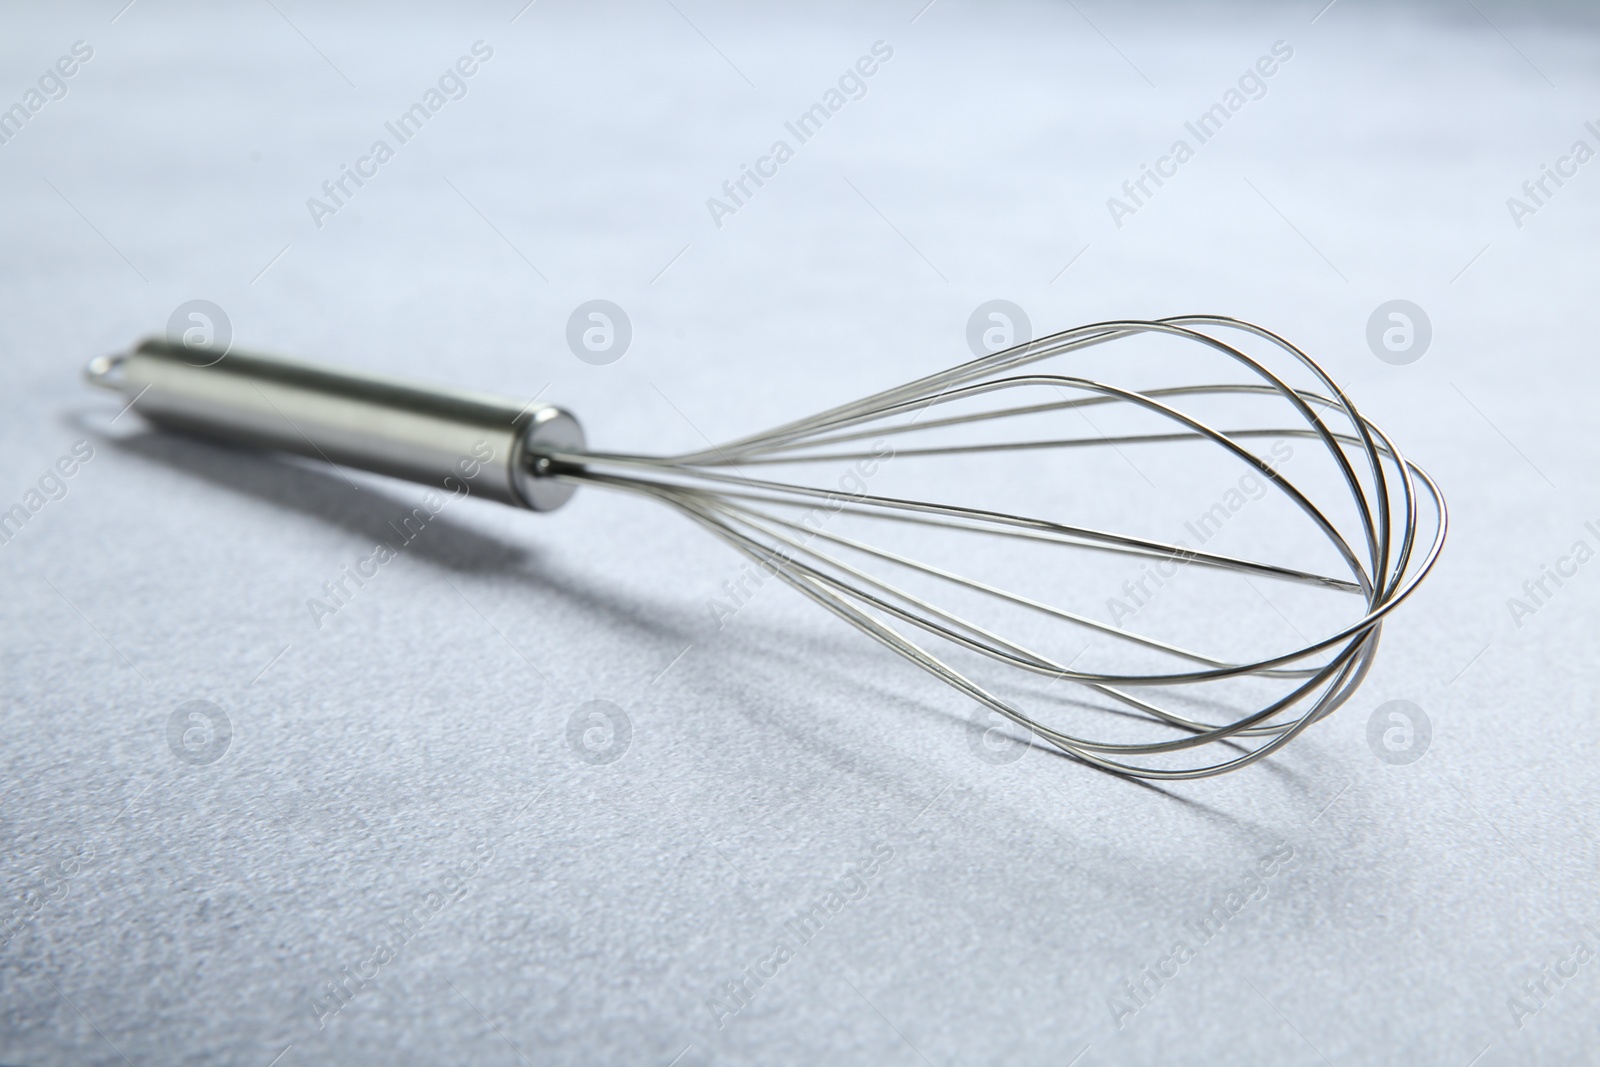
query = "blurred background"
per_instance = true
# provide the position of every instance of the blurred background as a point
(528, 797)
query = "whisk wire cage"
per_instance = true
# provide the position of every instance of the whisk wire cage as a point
(755, 515)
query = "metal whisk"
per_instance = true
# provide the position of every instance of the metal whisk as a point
(968, 591)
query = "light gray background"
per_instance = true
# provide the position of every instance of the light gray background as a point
(371, 755)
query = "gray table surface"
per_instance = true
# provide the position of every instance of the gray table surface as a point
(411, 757)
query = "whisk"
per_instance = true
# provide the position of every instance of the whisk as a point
(958, 589)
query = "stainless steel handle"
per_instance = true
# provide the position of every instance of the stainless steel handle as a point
(423, 433)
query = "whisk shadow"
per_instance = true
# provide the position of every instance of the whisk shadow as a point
(320, 493)
(777, 645)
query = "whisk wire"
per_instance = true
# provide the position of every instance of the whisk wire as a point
(755, 516)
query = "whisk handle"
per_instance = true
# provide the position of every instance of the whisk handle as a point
(437, 436)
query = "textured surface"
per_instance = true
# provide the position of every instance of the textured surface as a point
(410, 755)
